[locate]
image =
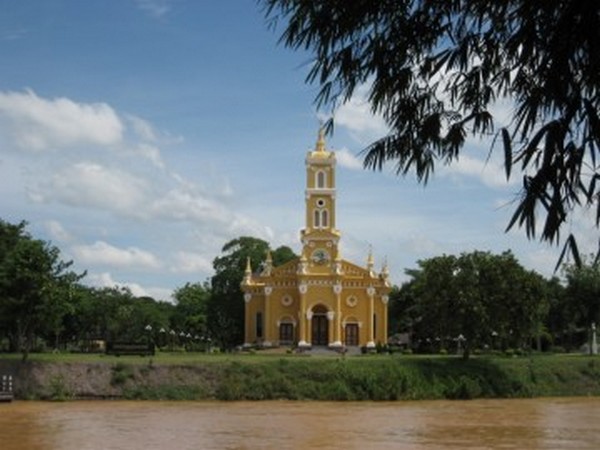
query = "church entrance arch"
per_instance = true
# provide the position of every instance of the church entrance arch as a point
(351, 334)
(319, 326)
(351, 327)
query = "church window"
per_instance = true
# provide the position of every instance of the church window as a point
(259, 325)
(320, 218)
(321, 179)
(324, 218)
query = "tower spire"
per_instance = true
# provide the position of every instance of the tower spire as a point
(321, 140)
(247, 273)
(371, 261)
(268, 265)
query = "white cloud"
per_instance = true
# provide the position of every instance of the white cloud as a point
(151, 153)
(38, 124)
(188, 262)
(92, 185)
(489, 172)
(105, 280)
(142, 128)
(179, 204)
(357, 117)
(156, 8)
(347, 159)
(57, 231)
(105, 254)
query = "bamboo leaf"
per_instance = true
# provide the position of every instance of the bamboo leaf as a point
(507, 152)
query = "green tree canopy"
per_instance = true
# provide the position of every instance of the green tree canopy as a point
(583, 292)
(435, 70)
(191, 306)
(33, 285)
(476, 296)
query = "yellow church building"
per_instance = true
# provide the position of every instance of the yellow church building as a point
(318, 299)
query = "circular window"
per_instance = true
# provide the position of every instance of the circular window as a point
(320, 203)
(286, 300)
(351, 301)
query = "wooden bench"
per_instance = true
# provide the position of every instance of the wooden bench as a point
(129, 348)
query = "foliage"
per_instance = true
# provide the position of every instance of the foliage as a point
(33, 283)
(58, 389)
(583, 292)
(191, 307)
(435, 70)
(475, 298)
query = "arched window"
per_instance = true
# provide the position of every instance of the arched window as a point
(324, 218)
(321, 179)
(320, 218)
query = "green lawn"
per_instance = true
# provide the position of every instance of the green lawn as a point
(183, 358)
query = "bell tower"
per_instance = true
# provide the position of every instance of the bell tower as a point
(320, 237)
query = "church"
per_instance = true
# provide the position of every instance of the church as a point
(318, 299)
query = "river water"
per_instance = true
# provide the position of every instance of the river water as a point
(557, 423)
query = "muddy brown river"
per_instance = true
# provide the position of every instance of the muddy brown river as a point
(557, 423)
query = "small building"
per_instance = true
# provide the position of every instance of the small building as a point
(318, 299)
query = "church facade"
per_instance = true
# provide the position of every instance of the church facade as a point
(318, 299)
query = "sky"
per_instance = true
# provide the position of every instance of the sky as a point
(140, 136)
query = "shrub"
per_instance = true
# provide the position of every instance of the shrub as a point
(121, 373)
(465, 389)
(58, 389)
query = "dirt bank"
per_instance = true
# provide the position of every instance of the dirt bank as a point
(47, 380)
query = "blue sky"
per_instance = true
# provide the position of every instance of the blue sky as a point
(139, 136)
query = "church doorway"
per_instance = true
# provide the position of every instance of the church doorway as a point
(286, 333)
(320, 326)
(351, 334)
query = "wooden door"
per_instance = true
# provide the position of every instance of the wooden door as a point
(352, 334)
(320, 330)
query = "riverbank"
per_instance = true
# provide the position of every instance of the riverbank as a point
(249, 377)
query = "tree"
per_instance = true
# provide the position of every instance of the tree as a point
(583, 292)
(226, 311)
(191, 304)
(436, 68)
(475, 297)
(282, 254)
(32, 278)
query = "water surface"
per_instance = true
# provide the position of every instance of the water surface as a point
(559, 423)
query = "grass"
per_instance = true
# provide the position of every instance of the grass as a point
(269, 375)
(159, 357)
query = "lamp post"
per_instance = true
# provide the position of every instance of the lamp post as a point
(460, 339)
(594, 344)
(494, 336)
(172, 333)
(182, 338)
(163, 340)
(148, 329)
